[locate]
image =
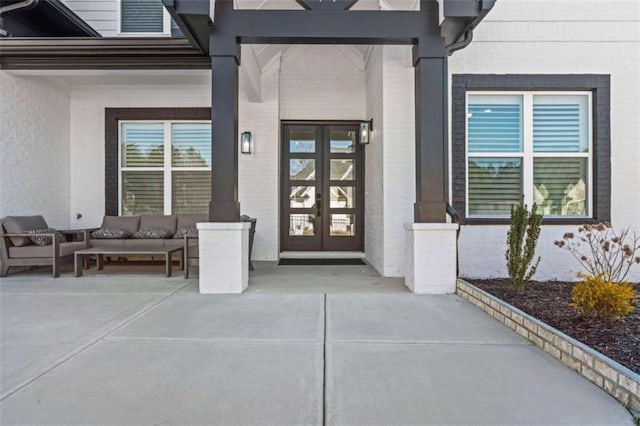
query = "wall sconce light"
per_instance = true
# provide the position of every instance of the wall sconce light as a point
(366, 127)
(245, 143)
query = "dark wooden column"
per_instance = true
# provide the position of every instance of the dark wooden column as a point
(431, 137)
(224, 206)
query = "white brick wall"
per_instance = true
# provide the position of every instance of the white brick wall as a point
(561, 37)
(87, 135)
(374, 165)
(34, 146)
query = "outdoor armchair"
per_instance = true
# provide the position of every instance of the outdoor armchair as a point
(17, 250)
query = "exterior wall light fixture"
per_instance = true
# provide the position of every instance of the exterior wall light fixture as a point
(245, 143)
(366, 127)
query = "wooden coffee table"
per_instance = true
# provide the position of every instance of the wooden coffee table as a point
(79, 256)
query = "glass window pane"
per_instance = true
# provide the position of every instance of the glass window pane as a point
(343, 170)
(343, 225)
(190, 191)
(142, 144)
(343, 142)
(142, 193)
(191, 145)
(302, 141)
(302, 169)
(302, 196)
(301, 225)
(494, 123)
(142, 16)
(560, 186)
(560, 123)
(494, 185)
(342, 197)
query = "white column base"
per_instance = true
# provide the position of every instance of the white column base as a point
(430, 257)
(223, 257)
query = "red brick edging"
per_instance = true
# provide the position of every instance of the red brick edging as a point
(615, 379)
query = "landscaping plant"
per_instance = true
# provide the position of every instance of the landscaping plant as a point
(603, 251)
(597, 296)
(521, 244)
(607, 256)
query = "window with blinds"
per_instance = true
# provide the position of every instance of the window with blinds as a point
(142, 16)
(528, 144)
(165, 167)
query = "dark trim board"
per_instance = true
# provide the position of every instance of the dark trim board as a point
(112, 117)
(597, 84)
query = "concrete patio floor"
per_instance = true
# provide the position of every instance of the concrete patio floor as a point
(304, 345)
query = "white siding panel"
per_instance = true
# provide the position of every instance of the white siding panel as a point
(516, 32)
(102, 15)
(565, 10)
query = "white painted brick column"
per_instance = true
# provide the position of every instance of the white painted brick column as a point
(223, 257)
(430, 264)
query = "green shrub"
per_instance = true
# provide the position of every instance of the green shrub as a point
(521, 244)
(597, 296)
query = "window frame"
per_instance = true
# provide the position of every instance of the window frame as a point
(167, 167)
(600, 87)
(527, 155)
(166, 25)
(112, 116)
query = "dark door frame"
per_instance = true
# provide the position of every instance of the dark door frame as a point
(322, 239)
(432, 43)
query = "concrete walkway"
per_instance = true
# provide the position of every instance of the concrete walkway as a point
(116, 348)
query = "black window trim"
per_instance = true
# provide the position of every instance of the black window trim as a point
(597, 84)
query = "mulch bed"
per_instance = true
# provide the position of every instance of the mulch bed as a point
(549, 302)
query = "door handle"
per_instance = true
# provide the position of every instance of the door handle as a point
(318, 205)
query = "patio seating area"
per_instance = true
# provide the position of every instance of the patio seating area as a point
(304, 345)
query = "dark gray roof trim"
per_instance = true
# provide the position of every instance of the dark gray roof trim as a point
(50, 18)
(101, 53)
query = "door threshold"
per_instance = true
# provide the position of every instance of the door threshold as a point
(321, 255)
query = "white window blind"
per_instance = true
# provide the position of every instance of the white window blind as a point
(141, 16)
(530, 144)
(152, 181)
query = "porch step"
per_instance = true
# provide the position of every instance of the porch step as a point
(321, 255)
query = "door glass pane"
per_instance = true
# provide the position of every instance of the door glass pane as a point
(302, 169)
(343, 169)
(301, 225)
(304, 141)
(142, 193)
(142, 144)
(342, 197)
(190, 191)
(191, 145)
(302, 196)
(560, 186)
(494, 185)
(343, 142)
(343, 225)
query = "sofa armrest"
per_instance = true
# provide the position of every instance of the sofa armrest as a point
(186, 245)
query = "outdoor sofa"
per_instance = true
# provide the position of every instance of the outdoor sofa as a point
(29, 241)
(181, 232)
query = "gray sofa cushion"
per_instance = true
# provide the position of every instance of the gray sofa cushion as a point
(106, 243)
(20, 224)
(158, 221)
(128, 223)
(143, 243)
(66, 249)
(190, 220)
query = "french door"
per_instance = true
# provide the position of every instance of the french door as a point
(322, 187)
